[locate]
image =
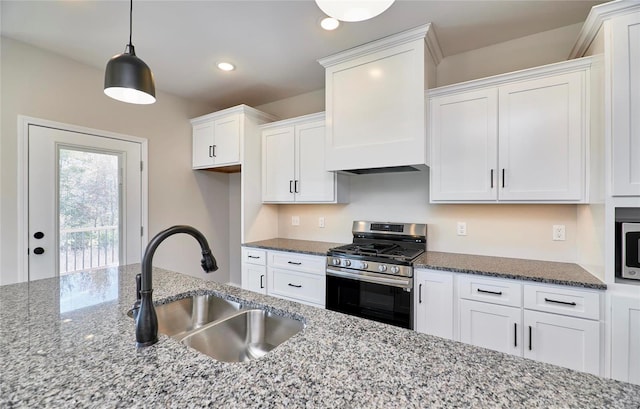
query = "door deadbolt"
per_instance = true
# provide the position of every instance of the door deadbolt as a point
(38, 250)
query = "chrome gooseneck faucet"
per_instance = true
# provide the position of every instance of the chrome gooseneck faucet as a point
(147, 321)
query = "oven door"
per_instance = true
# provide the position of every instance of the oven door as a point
(377, 297)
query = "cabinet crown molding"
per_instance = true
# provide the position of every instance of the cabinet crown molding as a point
(526, 74)
(425, 32)
(239, 109)
(596, 17)
(319, 116)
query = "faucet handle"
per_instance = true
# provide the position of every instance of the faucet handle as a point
(138, 289)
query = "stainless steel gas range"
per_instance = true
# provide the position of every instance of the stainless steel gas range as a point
(373, 277)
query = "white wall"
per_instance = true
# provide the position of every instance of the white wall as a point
(522, 231)
(41, 84)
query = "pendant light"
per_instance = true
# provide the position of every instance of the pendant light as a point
(353, 10)
(127, 78)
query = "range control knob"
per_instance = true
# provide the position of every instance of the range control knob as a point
(347, 263)
(395, 269)
(336, 261)
(382, 268)
(364, 265)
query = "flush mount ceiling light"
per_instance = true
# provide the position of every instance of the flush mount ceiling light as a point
(127, 78)
(226, 66)
(353, 10)
(329, 23)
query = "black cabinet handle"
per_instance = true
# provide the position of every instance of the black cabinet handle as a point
(491, 178)
(253, 256)
(420, 294)
(214, 151)
(262, 281)
(294, 263)
(529, 337)
(295, 186)
(489, 292)
(560, 302)
(290, 186)
(295, 285)
(211, 151)
(503, 177)
(515, 334)
(38, 250)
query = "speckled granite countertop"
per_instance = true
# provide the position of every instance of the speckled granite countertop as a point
(533, 270)
(317, 248)
(521, 269)
(67, 342)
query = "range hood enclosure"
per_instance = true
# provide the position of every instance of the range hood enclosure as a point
(376, 105)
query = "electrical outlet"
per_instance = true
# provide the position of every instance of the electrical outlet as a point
(321, 222)
(462, 229)
(559, 232)
(295, 220)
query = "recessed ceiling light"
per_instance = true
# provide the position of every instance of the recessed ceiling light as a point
(225, 66)
(329, 23)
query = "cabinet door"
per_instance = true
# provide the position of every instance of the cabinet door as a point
(434, 303)
(541, 149)
(313, 182)
(625, 339)
(573, 343)
(254, 278)
(203, 145)
(278, 165)
(625, 104)
(227, 141)
(464, 135)
(491, 326)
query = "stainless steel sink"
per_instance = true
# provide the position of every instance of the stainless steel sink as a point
(247, 335)
(221, 329)
(177, 318)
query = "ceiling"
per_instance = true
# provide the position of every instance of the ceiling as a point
(275, 44)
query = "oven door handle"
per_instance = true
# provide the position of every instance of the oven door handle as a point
(394, 282)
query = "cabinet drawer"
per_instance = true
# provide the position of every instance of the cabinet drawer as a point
(252, 256)
(496, 291)
(296, 285)
(298, 262)
(561, 300)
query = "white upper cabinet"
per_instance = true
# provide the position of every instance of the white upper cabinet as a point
(218, 138)
(375, 103)
(517, 137)
(293, 163)
(624, 76)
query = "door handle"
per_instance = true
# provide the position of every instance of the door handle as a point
(503, 177)
(295, 186)
(491, 178)
(38, 250)
(290, 186)
(515, 334)
(262, 281)
(420, 294)
(214, 151)
(210, 151)
(529, 337)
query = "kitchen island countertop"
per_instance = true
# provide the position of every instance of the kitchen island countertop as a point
(67, 342)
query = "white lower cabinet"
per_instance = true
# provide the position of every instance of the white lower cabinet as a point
(434, 303)
(293, 276)
(491, 326)
(625, 338)
(555, 324)
(570, 342)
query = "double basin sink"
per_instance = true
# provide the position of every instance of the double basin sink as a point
(223, 329)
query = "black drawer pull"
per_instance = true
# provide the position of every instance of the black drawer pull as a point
(295, 285)
(515, 334)
(560, 302)
(529, 337)
(253, 256)
(489, 292)
(294, 263)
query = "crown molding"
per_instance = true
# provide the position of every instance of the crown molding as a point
(596, 17)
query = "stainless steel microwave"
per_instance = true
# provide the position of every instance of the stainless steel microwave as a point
(630, 253)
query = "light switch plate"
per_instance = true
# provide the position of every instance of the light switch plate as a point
(295, 220)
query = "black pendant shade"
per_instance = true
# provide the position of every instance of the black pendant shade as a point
(127, 78)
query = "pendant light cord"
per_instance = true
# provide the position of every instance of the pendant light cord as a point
(130, 20)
